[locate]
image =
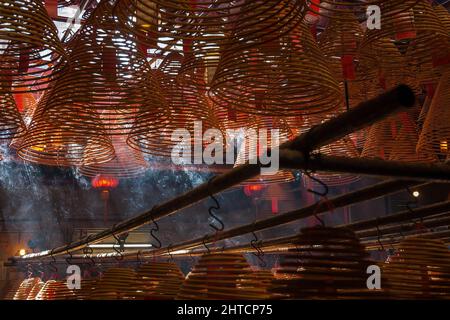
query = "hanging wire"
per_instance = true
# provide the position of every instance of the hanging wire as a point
(191, 256)
(420, 225)
(88, 251)
(323, 194)
(118, 251)
(214, 207)
(154, 229)
(70, 258)
(170, 253)
(379, 235)
(138, 257)
(257, 245)
(52, 264)
(204, 244)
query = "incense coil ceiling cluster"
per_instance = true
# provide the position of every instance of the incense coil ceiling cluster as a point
(326, 263)
(65, 143)
(277, 78)
(221, 276)
(108, 76)
(160, 280)
(419, 270)
(334, 9)
(25, 288)
(185, 105)
(202, 26)
(31, 53)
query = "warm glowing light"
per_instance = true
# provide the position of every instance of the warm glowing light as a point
(252, 189)
(416, 194)
(38, 148)
(444, 146)
(104, 182)
(22, 252)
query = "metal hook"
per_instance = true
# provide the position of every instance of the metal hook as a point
(379, 235)
(257, 244)
(326, 190)
(214, 207)
(53, 262)
(204, 244)
(191, 256)
(155, 229)
(88, 251)
(170, 253)
(69, 259)
(118, 251)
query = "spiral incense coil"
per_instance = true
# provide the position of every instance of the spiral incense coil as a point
(25, 288)
(118, 284)
(336, 9)
(435, 135)
(108, 75)
(341, 148)
(11, 123)
(31, 55)
(340, 43)
(10, 289)
(420, 270)
(87, 287)
(55, 290)
(443, 16)
(186, 105)
(127, 163)
(326, 263)
(286, 77)
(66, 142)
(391, 66)
(404, 146)
(35, 290)
(221, 276)
(380, 140)
(160, 280)
(202, 26)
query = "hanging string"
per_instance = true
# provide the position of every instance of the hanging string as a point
(379, 235)
(322, 194)
(257, 245)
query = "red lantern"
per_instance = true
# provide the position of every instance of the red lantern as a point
(253, 189)
(104, 182)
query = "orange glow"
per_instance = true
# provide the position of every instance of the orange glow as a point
(252, 189)
(444, 146)
(104, 182)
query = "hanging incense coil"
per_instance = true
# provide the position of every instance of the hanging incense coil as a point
(118, 284)
(336, 9)
(55, 290)
(404, 146)
(443, 16)
(108, 76)
(186, 105)
(391, 66)
(87, 287)
(326, 263)
(11, 123)
(435, 135)
(25, 287)
(127, 163)
(160, 280)
(221, 276)
(285, 77)
(380, 140)
(341, 148)
(31, 54)
(35, 290)
(419, 270)
(201, 27)
(250, 147)
(65, 143)
(340, 43)
(10, 289)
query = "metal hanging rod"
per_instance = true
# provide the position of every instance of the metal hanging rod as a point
(365, 114)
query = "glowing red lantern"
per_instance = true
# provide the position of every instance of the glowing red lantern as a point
(253, 189)
(104, 182)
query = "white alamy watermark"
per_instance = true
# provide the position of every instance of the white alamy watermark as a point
(374, 280)
(255, 146)
(373, 14)
(73, 281)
